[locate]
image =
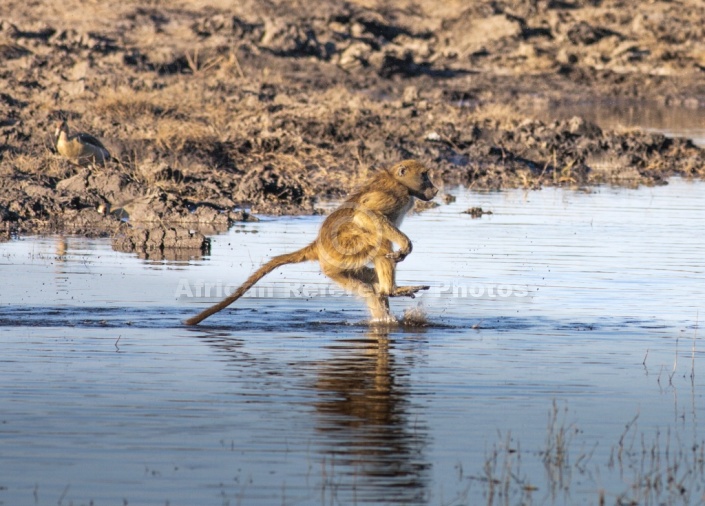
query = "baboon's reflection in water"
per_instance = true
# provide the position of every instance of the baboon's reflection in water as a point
(376, 438)
(366, 441)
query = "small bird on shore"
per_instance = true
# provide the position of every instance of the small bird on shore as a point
(80, 148)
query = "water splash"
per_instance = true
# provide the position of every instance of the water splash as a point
(415, 317)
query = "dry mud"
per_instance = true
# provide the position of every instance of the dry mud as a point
(215, 111)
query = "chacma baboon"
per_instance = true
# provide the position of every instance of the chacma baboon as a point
(358, 234)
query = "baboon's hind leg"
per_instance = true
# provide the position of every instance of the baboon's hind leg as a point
(383, 278)
(385, 274)
(359, 283)
(408, 291)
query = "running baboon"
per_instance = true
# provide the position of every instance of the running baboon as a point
(359, 233)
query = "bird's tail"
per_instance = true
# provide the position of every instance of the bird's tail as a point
(304, 254)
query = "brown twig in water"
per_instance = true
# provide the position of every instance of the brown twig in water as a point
(692, 354)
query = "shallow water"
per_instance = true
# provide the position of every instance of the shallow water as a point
(561, 360)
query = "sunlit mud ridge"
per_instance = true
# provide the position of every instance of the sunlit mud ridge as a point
(211, 109)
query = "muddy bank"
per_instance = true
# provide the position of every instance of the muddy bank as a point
(161, 243)
(213, 112)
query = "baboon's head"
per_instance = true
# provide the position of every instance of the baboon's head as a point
(415, 177)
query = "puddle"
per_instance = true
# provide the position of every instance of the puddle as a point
(673, 121)
(561, 350)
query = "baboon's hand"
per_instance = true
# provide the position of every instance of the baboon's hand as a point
(397, 256)
(401, 254)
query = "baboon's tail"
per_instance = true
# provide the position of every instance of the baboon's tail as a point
(304, 254)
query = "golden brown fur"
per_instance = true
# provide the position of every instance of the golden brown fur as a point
(360, 232)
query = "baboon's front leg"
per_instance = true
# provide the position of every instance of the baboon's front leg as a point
(388, 233)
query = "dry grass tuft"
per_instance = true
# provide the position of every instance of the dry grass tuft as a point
(499, 112)
(127, 104)
(175, 135)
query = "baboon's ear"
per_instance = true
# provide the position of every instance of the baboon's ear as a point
(401, 170)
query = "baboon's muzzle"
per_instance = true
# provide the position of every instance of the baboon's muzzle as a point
(429, 193)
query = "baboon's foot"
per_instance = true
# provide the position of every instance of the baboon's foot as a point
(408, 291)
(384, 321)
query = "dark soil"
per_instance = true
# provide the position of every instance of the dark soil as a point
(215, 111)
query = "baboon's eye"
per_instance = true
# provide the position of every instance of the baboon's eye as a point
(401, 171)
